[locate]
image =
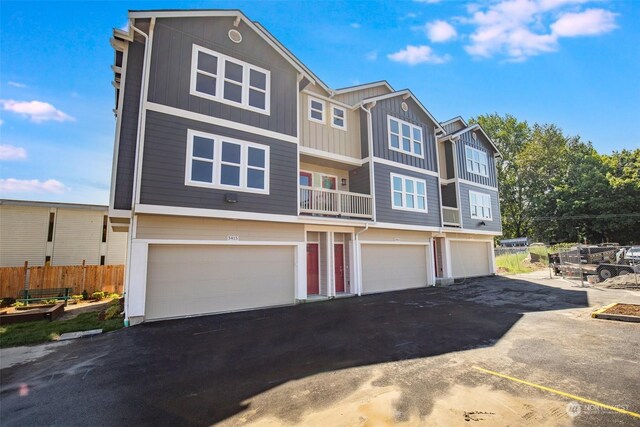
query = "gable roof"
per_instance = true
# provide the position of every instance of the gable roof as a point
(472, 128)
(364, 86)
(455, 119)
(268, 37)
(403, 93)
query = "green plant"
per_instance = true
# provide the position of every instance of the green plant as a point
(50, 301)
(77, 297)
(97, 295)
(113, 296)
(85, 295)
(17, 304)
(7, 302)
(112, 311)
(514, 263)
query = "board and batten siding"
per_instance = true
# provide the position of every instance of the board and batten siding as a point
(466, 139)
(325, 137)
(384, 210)
(170, 72)
(23, 235)
(453, 127)
(128, 127)
(469, 223)
(192, 228)
(355, 96)
(163, 170)
(414, 115)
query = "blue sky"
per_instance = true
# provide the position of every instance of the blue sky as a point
(574, 63)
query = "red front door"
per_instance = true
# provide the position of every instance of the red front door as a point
(313, 282)
(338, 251)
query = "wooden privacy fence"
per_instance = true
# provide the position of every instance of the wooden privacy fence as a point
(107, 278)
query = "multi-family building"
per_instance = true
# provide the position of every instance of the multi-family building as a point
(245, 181)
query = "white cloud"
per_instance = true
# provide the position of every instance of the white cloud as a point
(440, 31)
(10, 152)
(591, 22)
(36, 111)
(16, 84)
(12, 185)
(371, 56)
(413, 55)
(355, 25)
(518, 29)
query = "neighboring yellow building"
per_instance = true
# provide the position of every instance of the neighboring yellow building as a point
(58, 234)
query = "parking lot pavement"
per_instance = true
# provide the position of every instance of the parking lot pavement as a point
(435, 356)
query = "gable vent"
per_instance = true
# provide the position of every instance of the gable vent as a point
(404, 106)
(235, 36)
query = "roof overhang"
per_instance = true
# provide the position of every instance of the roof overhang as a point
(406, 93)
(364, 86)
(473, 127)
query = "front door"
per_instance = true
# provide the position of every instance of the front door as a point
(338, 252)
(313, 282)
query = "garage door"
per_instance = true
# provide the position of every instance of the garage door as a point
(185, 280)
(393, 267)
(470, 259)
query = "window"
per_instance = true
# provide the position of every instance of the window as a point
(219, 162)
(405, 137)
(338, 117)
(52, 220)
(480, 204)
(102, 257)
(316, 110)
(476, 161)
(228, 80)
(408, 193)
(47, 260)
(105, 220)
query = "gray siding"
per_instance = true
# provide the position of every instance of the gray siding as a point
(163, 170)
(453, 127)
(353, 97)
(416, 116)
(359, 181)
(384, 211)
(448, 155)
(449, 196)
(472, 223)
(128, 128)
(170, 72)
(482, 145)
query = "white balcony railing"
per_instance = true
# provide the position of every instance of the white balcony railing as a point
(335, 203)
(450, 216)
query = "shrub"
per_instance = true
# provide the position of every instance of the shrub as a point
(7, 302)
(112, 311)
(77, 297)
(50, 301)
(97, 295)
(17, 304)
(85, 295)
(113, 296)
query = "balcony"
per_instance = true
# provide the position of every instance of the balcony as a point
(450, 217)
(320, 201)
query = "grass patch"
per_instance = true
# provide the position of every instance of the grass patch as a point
(45, 331)
(514, 263)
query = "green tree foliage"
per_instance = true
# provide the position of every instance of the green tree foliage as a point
(557, 188)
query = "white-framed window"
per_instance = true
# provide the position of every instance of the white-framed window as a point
(405, 137)
(228, 80)
(409, 194)
(215, 161)
(338, 117)
(480, 204)
(476, 161)
(316, 110)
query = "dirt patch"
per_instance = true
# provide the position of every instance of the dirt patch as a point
(626, 309)
(626, 281)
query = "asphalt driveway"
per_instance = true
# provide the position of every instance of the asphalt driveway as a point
(409, 356)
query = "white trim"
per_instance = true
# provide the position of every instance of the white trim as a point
(217, 163)
(215, 242)
(404, 193)
(492, 258)
(400, 136)
(363, 87)
(480, 197)
(298, 79)
(116, 143)
(221, 60)
(467, 129)
(152, 106)
(455, 119)
(300, 266)
(403, 166)
(333, 108)
(481, 155)
(394, 242)
(327, 99)
(475, 184)
(311, 109)
(331, 156)
(462, 239)
(119, 213)
(312, 228)
(447, 181)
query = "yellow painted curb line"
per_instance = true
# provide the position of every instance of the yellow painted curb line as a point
(602, 310)
(561, 393)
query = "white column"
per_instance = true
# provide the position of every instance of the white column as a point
(447, 271)
(331, 276)
(492, 258)
(301, 271)
(136, 285)
(431, 271)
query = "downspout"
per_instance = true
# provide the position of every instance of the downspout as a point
(141, 121)
(435, 133)
(358, 259)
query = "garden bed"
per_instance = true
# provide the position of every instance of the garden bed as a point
(622, 312)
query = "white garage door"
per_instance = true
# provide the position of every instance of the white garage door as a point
(393, 267)
(185, 280)
(469, 259)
